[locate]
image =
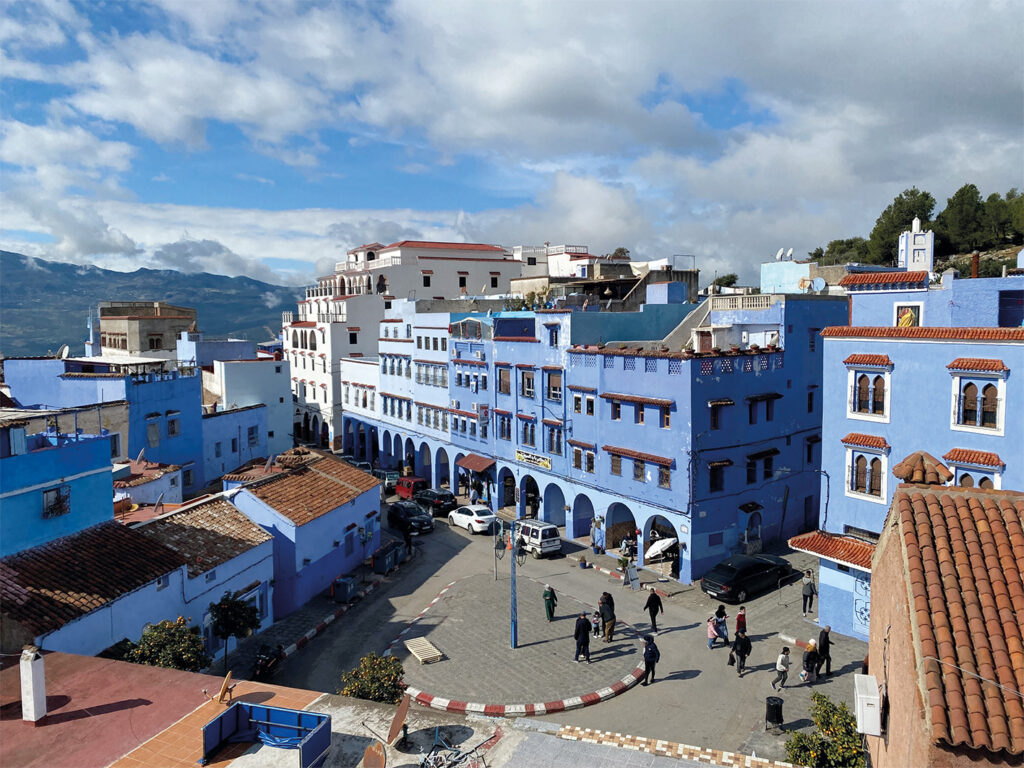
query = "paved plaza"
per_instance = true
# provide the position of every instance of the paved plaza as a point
(470, 625)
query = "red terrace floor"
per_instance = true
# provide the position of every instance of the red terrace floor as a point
(100, 710)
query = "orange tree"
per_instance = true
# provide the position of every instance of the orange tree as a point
(377, 678)
(835, 742)
(171, 644)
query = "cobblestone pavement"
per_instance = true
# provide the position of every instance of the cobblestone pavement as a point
(469, 624)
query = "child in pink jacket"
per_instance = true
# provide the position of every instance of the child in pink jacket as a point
(712, 633)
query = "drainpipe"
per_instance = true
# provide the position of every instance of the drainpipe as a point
(975, 261)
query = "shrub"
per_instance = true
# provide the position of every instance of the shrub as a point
(171, 644)
(835, 742)
(377, 678)
(233, 617)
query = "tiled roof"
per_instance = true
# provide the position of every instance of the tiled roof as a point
(45, 587)
(638, 399)
(964, 554)
(977, 364)
(980, 458)
(938, 333)
(631, 454)
(839, 549)
(922, 468)
(314, 489)
(884, 278)
(867, 441)
(879, 360)
(142, 472)
(207, 534)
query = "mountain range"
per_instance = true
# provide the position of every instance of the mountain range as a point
(44, 304)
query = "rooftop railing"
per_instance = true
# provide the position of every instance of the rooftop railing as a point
(756, 301)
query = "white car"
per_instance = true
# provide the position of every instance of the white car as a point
(475, 518)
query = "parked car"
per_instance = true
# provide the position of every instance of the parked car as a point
(739, 576)
(540, 539)
(405, 515)
(437, 503)
(388, 478)
(475, 518)
(363, 465)
(407, 487)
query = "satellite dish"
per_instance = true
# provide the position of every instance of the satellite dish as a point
(789, 255)
(139, 457)
(63, 352)
(778, 256)
(818, 284)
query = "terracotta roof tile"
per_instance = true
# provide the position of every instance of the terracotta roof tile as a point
(964, 550)
(867, 441)
(977, 364)
(45, 587)
(980, 458)
(206, 534)
(937, 333)
(878, 360)
(832, 546)
(313, 489)
(142, 472)
(638, 399)
(663, 461)
(884, 278)
(923, 468)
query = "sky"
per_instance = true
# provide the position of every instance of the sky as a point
(267, 137)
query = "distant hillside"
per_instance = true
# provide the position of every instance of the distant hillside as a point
(44, 304)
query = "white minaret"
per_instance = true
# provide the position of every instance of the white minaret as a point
(917, 248)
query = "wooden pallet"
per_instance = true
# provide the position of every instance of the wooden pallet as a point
(423, 650)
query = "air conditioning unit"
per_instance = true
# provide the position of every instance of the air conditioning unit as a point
(744, 337)
(868, 705)
(455, 404)
(479, 354)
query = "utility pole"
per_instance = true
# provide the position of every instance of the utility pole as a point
(513, 612)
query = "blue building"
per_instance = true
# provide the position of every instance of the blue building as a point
(232, 437)
(323, 514)
(164, 406)
(923, 367)
(702, 424)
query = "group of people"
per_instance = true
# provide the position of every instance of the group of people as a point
(600, 624)
(817, 655)
(718, 629)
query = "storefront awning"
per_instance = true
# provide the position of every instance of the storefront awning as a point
(475, 463)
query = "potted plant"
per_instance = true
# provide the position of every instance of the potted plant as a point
(623, 563)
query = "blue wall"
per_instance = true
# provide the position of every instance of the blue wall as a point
(962, 303)
(223, 427)
(82, 465)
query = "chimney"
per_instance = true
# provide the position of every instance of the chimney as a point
(975, 261)
(33, 685)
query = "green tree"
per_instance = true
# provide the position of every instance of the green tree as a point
(995, 221)
(883, 243)
(845, 251)
(817, 254)
(961, 221)
(377, 678)
(232, 617)
(835, 742)
(170, 644)
(1015, 204)
(619, 253)
(727, 280)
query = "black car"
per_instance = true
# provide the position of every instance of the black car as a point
(437, 503)
(404, 515)
(737, 577)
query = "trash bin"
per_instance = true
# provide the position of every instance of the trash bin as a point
(345, 589)
(385, 558)
(772, 712)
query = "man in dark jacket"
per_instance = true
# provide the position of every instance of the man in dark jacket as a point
(825, 651)
(651, 657)
(741, 649)
(608, 620)
(653, 606)
(582, 636)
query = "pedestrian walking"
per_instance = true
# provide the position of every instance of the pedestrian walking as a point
(607, 621)
(712, 632)
(654, 606)
(825, 650)
(741, 620)
(651, 657)
(722, 623)
(582, 635)
(741, 649)
(474, 495)
(550, 601)
(781, 669)
(809, 591)
(809, 673)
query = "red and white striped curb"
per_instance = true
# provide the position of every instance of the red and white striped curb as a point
(618, 575)
(513, 710)
(339, 611)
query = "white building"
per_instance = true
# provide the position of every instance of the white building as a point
(241, 383)
(916, 249)
(341, 314)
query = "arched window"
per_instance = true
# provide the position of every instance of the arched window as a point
(878, 395)
(969, 404)
(860, 472)
(295, 339)
(305, 340)
(369, 284)
(863, 393)
(312, 340)
(989, 402)
(966, 481)
(876, 477)
(986, 482)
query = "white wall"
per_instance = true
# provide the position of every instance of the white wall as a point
(250, 382)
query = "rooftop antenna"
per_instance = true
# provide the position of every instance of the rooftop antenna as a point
(778, 256)
(789, 255)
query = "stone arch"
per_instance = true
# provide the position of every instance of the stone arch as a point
(455, 479)
(325, 435)
(386, 444)
(442, 468)
(424, 464)
(618, 522)
(312, 341)
(349, 438)
(304, 434)
(409, 455)
(506, 490)
(382, 284)
(553, 509)
(314, 430)
(582, 516)
(369, 284)
(529, 497)
(658, 527)
(295, 339)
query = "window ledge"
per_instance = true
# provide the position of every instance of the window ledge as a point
(880, 418)
(997, 431)
(866, 497)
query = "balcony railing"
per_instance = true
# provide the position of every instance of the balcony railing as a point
(756, 301)
(332, 317)
(287, 317)
(362, 266)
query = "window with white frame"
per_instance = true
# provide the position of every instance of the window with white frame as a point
(978, 403)
(577, 458)
(866, 473)
(56, 501)
(869, 394)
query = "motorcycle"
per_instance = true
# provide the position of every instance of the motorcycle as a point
(267, 660)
